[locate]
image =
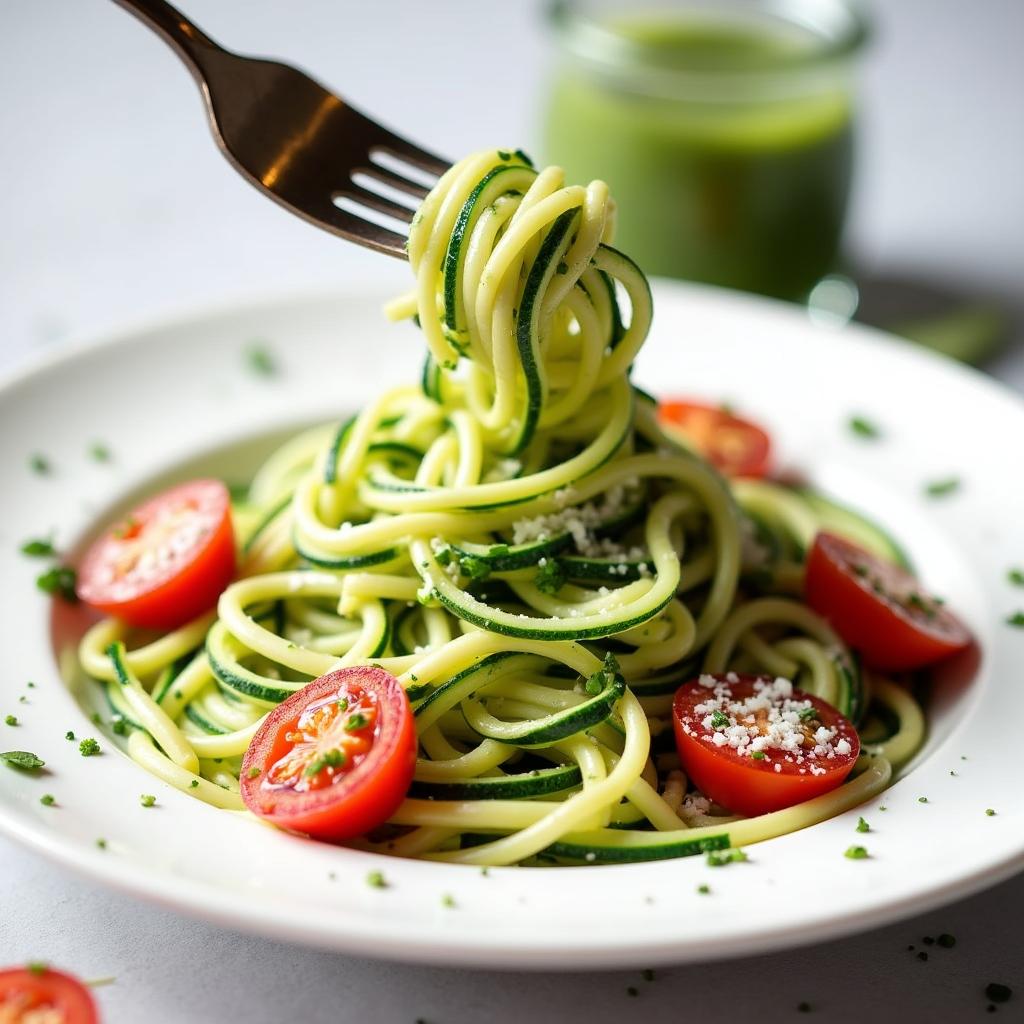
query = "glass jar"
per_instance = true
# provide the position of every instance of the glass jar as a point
(724, 128)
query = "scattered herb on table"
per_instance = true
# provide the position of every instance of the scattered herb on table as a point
(99, 452)
(704, 889)
(942, 488)
(856, 852)
(998, 993)
(260, 360)
(989, 812)
(862, 825)
(101, 843)
(946, 941)
(10, 720)
(147, 799)
(863, 427)
(719, 858)
(1016, 619)
(40, 464)
(922, 799)
(69, 735)
(47, 800)
(88, 747)
(39, 547)
(376, 880)
(60, 581)
(1016, 577)
(447, 900)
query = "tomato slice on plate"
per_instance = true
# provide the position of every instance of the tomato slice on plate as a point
(42, 994)
(733, 445)
(336, 758)
(165, 563)
(879, 608)
(755, 744)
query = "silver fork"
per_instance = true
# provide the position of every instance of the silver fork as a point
(296, 142)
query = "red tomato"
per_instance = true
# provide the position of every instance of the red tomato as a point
(879, 608)
(335, 759)
(713, 717)
(167, 562)
(38, 993)
(733, 445)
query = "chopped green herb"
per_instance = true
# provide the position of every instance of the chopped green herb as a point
(603, 677)
(562, 268)
(647, 974)
(719, 720)
(719, 858)
(376, 880)
(31, 685)
(989, 812)
(447, 900)
(254, 772)
(803, 1007)
(194, 784)
(704, 889)
(758, 755)
(39, 547)
(99, 452)
(940, 488)
(1016, 619)
(331, 759)
(485, 872)
(862, 825)
(632, 990)
(922, 955)
(946, 941)
(856, 852)
(10, 720)
(550, 577)
(1016, 577)
(60, 581)
(954, 774)
(260, 360)
(883, 808)
(101, 843)
(40, 465)
(69, 735)
(23, 759)
(356, 721)
(47, 800)
(998, 993)
(806, 714)
(119, 726)
(504, 154)
(37, 967)
(863, 427)
(88, 747)
(23, 699)
(473, 567)
(147, 799)
(343, 704)
(922, 799)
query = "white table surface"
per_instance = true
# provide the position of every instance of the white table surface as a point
(115, 208)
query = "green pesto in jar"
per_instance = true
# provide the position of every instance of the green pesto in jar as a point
(727, 146)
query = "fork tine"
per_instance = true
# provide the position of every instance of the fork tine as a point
(405, 150)
(376, 202)
(388, 177)
(358, 229)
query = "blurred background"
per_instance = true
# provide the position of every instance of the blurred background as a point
(117, 206)
(117, 209)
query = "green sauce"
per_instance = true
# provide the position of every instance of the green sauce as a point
(747, 191)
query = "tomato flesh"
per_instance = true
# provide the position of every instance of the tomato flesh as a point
(165, 563)
(28, 994)
(755, 744)
(879, 608)
(336, 758)
(733, 445)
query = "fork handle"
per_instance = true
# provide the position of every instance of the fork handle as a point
(191, 44)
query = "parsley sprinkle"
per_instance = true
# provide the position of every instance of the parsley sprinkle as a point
(47, 800)
(704, 889)
(356, 721)
(194, 784)
(998, 993)
(989, 812)
(485, 872)
(101, 843)
(253, 772)
(260, 361)
(10, 720)
(946, 941)
(863, 428)
(119, 726)
(647, 974)
(343, 704)
(40, 465)
(856, 852)
(758, 755)
(1016, 577)
(147, 799)
(922, 955)
(88, 747)
(1016, 619)
(60, 581)
(808, 713)
(23, 759)
(803, 1007)
(331, 759)
(37, 967)
(39, 548)
(922, 799)
(474, 568)
(719, 720)
(862, 825)
(376, 880)
(447, 900)
(632, 990)
(69, 735)
(941, 488)
(550, 577)
(719, 858)
(99, 452)
(562, 268)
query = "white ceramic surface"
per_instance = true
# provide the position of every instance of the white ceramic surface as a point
(163, 397)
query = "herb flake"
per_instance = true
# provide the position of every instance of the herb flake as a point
(23, 759)
(942, 488)
(862, 427)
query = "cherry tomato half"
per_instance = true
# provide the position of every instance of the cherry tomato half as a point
(801, 747)
(336, 758)
(39, 993)
(165, 563)
(879, 608)
(733, 445)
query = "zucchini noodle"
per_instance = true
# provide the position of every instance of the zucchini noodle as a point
(517, 541)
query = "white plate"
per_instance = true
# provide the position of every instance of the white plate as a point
(168, 399)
